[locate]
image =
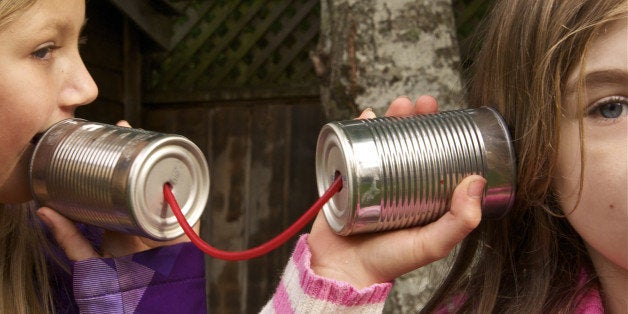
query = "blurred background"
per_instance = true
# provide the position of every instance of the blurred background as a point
(251, 83)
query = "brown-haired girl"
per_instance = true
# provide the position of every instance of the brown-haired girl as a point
(558, 72)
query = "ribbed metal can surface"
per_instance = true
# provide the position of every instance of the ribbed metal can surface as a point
(401, 172)
(113, 177)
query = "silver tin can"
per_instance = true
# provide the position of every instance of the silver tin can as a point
(113, 177)
(401, 172)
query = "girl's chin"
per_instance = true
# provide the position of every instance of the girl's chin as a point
(13, 195)
(16, 188)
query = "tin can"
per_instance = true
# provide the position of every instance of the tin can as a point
(113, 177)
(401, 172)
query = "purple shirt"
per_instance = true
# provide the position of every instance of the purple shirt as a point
(169, 279)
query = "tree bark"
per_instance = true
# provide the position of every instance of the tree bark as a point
(370, 52)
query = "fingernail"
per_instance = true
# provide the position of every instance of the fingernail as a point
(476, 189)
(368, 113)
(123, 123)
(44, 218)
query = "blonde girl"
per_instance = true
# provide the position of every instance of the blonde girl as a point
(42, 81)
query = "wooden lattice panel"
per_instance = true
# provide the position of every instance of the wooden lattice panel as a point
(240, 48)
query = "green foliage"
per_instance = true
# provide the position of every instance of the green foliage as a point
(469, 15)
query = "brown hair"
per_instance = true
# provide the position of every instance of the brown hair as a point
(532, 260)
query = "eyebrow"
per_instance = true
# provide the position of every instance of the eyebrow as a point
(62, 25)
(601, 78)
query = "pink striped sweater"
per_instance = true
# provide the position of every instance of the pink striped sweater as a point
(302, 291)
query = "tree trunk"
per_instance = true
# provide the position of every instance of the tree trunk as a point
(369, 53)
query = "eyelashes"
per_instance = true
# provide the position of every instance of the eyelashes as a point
(45, 51)
(609, 108)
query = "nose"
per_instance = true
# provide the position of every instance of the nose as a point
(78, 87)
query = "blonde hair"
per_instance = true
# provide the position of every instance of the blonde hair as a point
(532, 260)
(24, 282)
(10, 9)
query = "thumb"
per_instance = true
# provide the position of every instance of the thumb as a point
(465, 214)
(68, 236)
(123, 123)
(367, 114)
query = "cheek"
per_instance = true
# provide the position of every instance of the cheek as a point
(605, 179)
(14, 161)
(21, 116)
(604, 228)
(15, 187)
(567, 179)
(600, 213)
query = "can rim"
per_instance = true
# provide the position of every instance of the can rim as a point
(191, 188)
(500, 190)
(336, 211)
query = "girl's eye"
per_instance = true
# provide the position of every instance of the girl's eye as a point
(610, 108)
(44, 53)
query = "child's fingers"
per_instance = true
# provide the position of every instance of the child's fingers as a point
(69, 238)
(392, 254)
(437, 239)
(425, 105)
(400, 107)
(367, 114)
(123, 123)
(403, 106)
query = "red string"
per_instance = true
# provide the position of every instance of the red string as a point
(258, 250)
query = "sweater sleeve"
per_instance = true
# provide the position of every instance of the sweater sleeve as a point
(167, 279)
(302, 291)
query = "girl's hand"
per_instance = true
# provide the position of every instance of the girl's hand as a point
(363, 260)
(114, 244)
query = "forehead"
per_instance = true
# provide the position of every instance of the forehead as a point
(606, 60)
(46, 15)
(610, 48)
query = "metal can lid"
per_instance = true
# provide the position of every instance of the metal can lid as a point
(171, 159)
(500, 162)
(331, 160)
